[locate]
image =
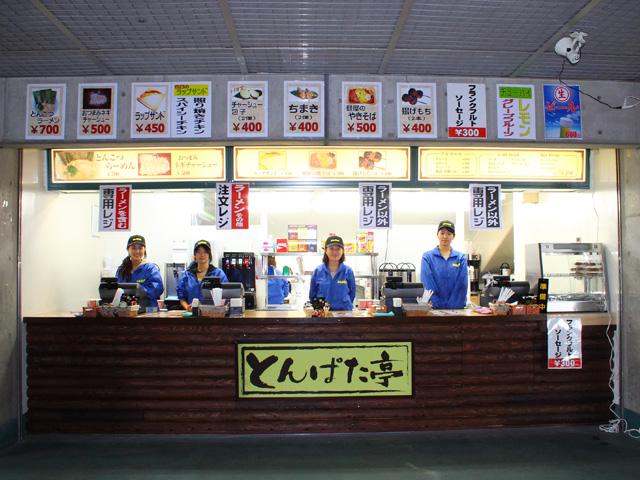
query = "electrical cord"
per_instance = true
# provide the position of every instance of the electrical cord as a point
(624, 105)
(614, 425)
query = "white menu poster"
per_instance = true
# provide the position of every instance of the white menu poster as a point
(303, 109)
(97, 111)
(150, 110)
(417, 110)
(191, 110)
(362, 110)
(45, 112)
(564, 343)
(247, 111)
(516, 112)
(466, 110)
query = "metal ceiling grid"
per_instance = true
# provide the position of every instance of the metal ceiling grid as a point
(116, 24)
(25, 29)
(298, 25)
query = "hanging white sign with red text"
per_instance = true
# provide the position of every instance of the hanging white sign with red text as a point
(115, 208)
(564, 342)
(232, 205)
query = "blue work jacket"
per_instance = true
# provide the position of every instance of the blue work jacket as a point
(149, 278)
(448, 278)
(278, 288)
(339, 291)
(189, 287)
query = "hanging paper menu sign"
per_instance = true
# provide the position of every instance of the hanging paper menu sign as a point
(361, 114)
(466, 110)
(97, 111)
(232, 205)
(303, 110)
(562, 113)
(45, 112)
(150, 110)
(564, 343)
(247, 109)
(191, 110)
(416, 110)
(516, 112)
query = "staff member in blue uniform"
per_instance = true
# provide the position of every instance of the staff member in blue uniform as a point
(190, 285)
(135, 269)
(444, 270)
(278, 287)
(333, 280)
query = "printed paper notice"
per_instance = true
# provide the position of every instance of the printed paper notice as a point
(562, 112)
(97, 111)
(416, 110)
(191, 110)
(247, 109)
(466, 110)
(45, 112)
(516, 112)
(362, 112)
(150, 110)
(303, 109)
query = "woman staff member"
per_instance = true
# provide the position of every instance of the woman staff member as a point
(444, 271)
(190, 285)
(333, 280)
(278, 288)
(134, 269)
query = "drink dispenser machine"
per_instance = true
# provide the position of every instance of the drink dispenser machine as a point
(241, 267)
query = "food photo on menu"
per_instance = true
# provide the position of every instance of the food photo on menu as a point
(362, 95)
(77, 165)
(153, 164)
(325, 160)
(369, 160)
(275, 160)
(96, 99)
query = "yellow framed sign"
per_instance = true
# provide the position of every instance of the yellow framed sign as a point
(321, 163)
(509, 164)
(137, 165)
(324, 370)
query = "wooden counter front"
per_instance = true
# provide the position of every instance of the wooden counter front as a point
(173, 374)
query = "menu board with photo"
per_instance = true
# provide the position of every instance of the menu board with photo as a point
(97, 111)
(562, 112)
(325, 163)
(417, 110)
(45, 112)
(247, 113)
(150, 110)
(304, 109)
(139, 165)
(191, 110)
(361, 110)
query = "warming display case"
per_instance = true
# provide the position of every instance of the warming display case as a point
(577, 275)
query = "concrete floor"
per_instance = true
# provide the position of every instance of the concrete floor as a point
(515, 454)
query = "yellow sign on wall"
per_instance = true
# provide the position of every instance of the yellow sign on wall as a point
(137, 165)
(512, 164)
(324, 370)
(321, 163)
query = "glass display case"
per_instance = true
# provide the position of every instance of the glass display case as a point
(577, 275)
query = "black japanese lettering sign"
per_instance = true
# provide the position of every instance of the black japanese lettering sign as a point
(324, 370)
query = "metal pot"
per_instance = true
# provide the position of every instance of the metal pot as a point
(505, 269)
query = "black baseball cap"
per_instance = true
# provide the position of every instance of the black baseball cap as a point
(448, 225)
(136, 239)
(334, 240)
(202, 243)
